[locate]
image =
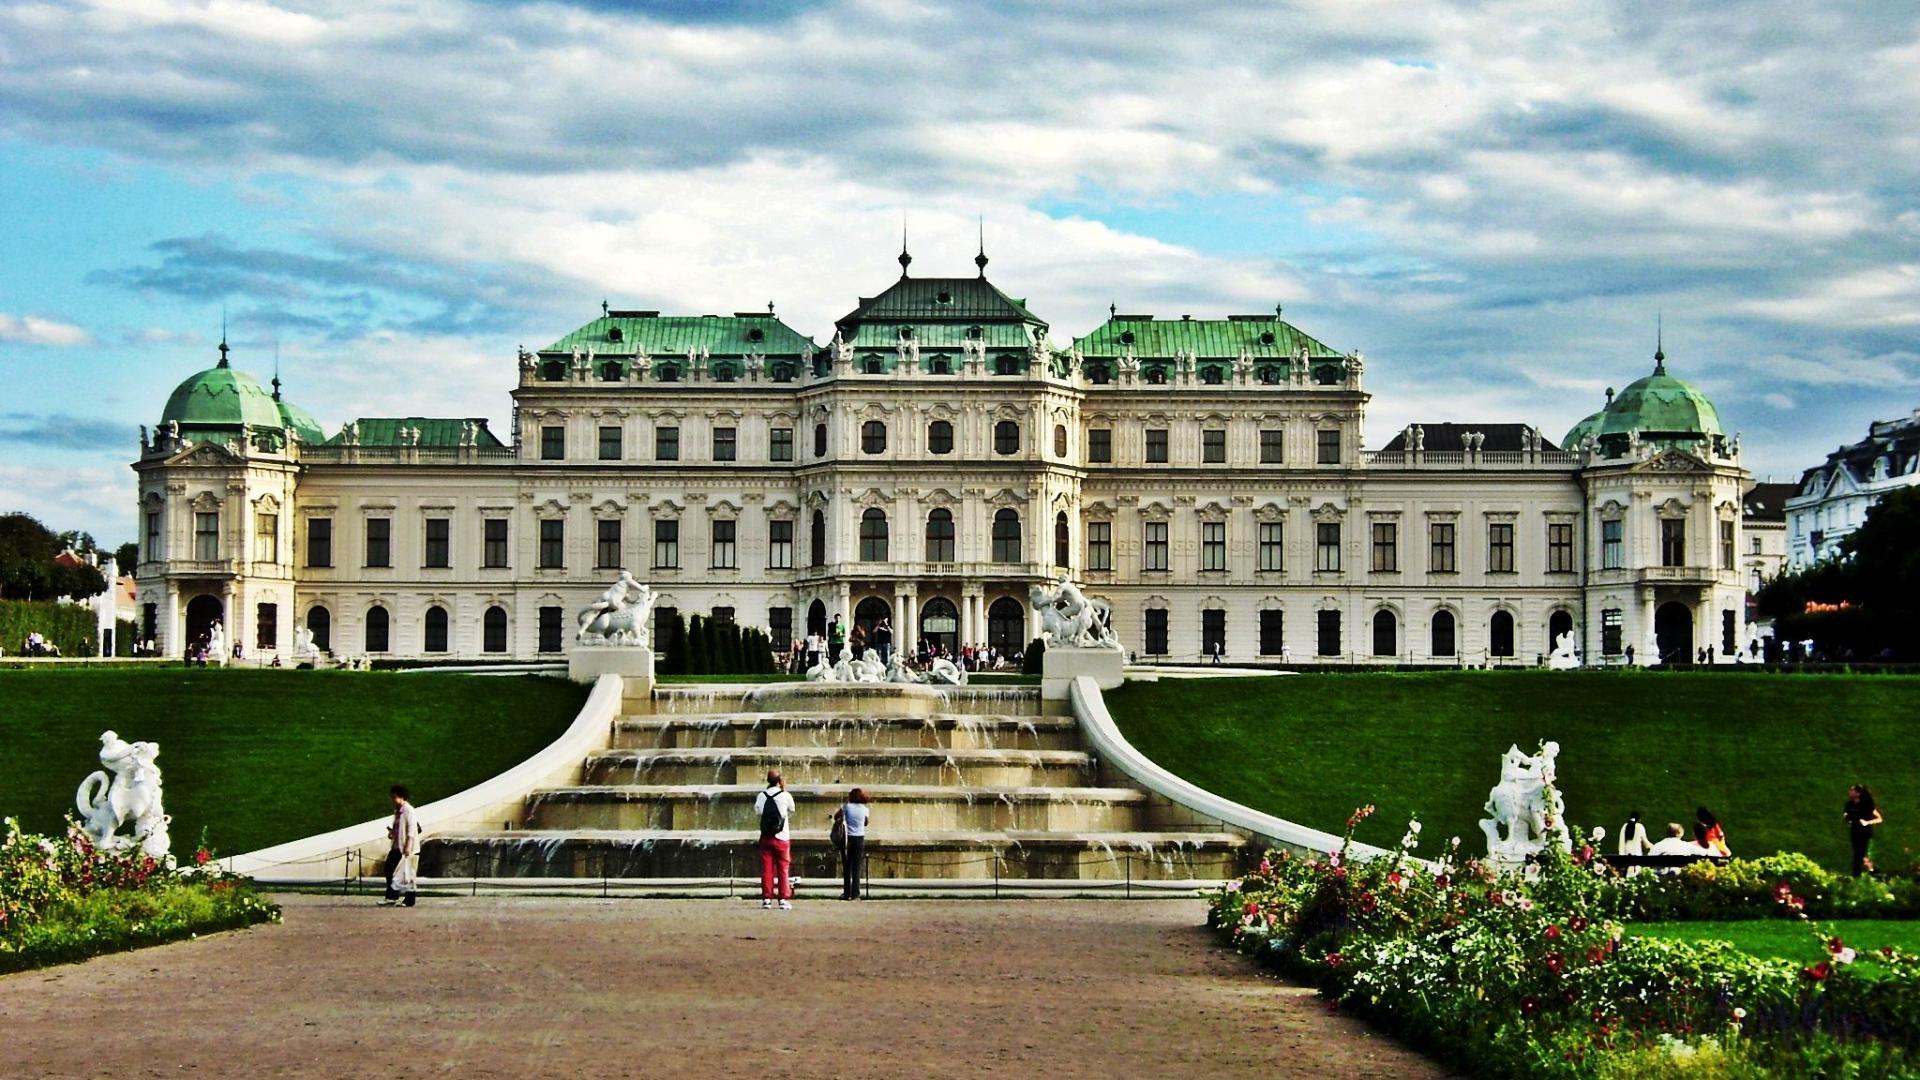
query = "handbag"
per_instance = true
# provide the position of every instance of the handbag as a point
(837, 835)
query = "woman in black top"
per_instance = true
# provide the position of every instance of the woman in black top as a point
(1862, 815)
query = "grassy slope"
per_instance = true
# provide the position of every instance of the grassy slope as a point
(1772, 755)
(261, 757)
(1790, 940)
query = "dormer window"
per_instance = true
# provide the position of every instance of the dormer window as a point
(1270, 375)
(610, 371)
(941, 365)
(755, 334)
(554, 371)
(1098, 374)
(975, 333)
(723, 373)
(614, 333)
(943, 298)
(1126, 337)
(1211, 376)
(1266, 338)
(906, 333)
(669, 373)
(872, 366)
(1157, 376)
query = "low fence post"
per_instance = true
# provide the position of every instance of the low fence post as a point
(1129, 876)
(996, 875)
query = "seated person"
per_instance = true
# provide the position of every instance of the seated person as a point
(1676, 843)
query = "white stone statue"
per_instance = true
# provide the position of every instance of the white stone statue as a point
(1650, 654)
(303, 644)
(622, 615)
(217, 647)
(1069, 620)
(822, 671)
(843, 670)
(126, 790)
(1565, 657)
(1524, 813)
(944, 672)
(868, 668)
(899, 672)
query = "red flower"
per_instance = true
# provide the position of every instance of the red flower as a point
(1818, 972)
(1495, 898)
(1252, 908)
(1553, 932)
(1555, 963)
(1333, 959)
(201, 857)
(1368, 903)
(1529, 1005)
(1577, 923)
(1440, 881)
(1596, 955)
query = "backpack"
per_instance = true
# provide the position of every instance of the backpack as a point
(771, 818)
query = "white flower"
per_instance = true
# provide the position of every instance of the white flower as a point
(1845, 956)
(1414, 826)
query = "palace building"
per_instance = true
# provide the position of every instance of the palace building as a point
(940, 455)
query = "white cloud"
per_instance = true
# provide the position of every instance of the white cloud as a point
(34, 330)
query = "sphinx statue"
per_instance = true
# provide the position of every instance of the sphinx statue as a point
(622, 615)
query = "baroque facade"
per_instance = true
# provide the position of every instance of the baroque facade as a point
(1834, 496)
(941, 455)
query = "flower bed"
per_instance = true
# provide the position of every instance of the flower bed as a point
(63, 899)
(1532, 974)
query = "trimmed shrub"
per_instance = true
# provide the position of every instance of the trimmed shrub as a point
(69, 626)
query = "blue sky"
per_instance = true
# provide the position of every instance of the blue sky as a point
(1493, 201)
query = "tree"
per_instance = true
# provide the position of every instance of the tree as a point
(697, 653)
(1865, 603)
(27, 551)
(126, 557)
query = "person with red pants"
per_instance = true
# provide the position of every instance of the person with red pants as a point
(775, 808)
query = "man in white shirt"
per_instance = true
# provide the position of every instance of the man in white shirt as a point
(403, 834)
(1676, 843)
(774, 807)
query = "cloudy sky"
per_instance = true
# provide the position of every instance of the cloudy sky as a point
(1493, 201)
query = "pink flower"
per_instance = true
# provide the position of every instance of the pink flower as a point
(1818, 972)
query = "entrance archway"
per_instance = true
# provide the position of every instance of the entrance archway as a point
(940, 625)
(202, 611)
(817, 618)
(867, 615)
(1007, 625)
(1673, 631)
(1560, 622)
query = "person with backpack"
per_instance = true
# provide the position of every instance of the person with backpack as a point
(775, 809)
(850, 838)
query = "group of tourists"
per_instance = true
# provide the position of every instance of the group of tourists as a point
(848, 832)
(1708, 840)
(36, 644)
(806, 653)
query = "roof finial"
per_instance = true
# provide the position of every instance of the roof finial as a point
(276, 368)
(980, 260)
(1659, 345)
(605, 308)
(769, 307)
(1113, 310)
(1276, 312)
(905, 259)
(223, 333)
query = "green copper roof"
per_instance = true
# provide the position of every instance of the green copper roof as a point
(1661, 407)
(301, 423)
(434, 431)
(221, 397)
(1578, 432)
(919, 300)
(618, 333)
(1261, 336)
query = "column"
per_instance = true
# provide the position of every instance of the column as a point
(906, 619)
(966, 615)
(845, 610)
(170, 643)
(230, 616)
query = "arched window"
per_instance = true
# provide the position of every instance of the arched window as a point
(873, 535)
(940, 365)
(493, 630)
(724, 372)
(669, 373)
(1443, 644)
(1386, 633)
(320, 625)
(1270, 374)
(940, 437)
(1062, 542)
(819, 440)
(1006, 437)
(1006, 535)
(873, 437)
(376, 629)
(873, 365)
(940, 625)
(817, 618)
(435, 636)
(1156, 376)
(1560, 622)
(940, 535)
(1006, 625)
(817, 540)
(1500, 634)
(1099, 374)
(1059, 440)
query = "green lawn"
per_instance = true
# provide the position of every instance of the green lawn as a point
(1791, 940)
(1772, 755)
(260, 757)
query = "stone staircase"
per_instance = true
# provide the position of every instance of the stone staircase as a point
(967, 784)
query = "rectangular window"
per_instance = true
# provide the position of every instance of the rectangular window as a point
(666, 444)
(319, 542)
(1441, 553)
(1728, 628)
(606, 544)
(1272, 554)
(1753, 543)
(152, 548)
(553, 443)
(550, 628)
(1156, 643)
(1099, 545)
(1612, 545)
(1499, 547)
(1213, 632)
(266, 538)
(1726, 545)
(1326, 546)
(379, 542)
(723, 444)
(1100, 445)
(1213, 446)
(1157, 446)
(724, 549)
(1611, 624)
(721, 616)
(553, 544)
(206, 536)
(664, 618)
(1272, 443)
(1328, 442)
(780, 628)
(1559, 548)
(438, 553)
(780, 444)
(609, 444)
(1213, 545)
(1272, 632)
(1673, 542)
(780, 545)
(1329, 637)
(666, 545)
(1156, 547)
(495, 548)
(266, 627)
(1386, 547)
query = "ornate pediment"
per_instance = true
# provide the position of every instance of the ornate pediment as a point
(1672, 508)
(266, 504)
(1155, 511)
(1328, 512)
(781, 508)
(1099, 511)
(206, 502)
(816, 499)
(608, 508)
(1672, 460)
(1270, 511)
(724, 507)
(873, 497)
(206, 454)
(667, 508)
(1006, 497)
(552, 508)
(1213, 511)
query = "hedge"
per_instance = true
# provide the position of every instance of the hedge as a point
(69, 626)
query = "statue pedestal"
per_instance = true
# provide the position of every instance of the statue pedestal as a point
(586, 663)
(1063, 664)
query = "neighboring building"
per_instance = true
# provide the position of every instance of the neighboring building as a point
(1834, 497)
(1763, 511)
(940, 456)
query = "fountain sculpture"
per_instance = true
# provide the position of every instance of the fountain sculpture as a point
(125, 790)
(613, 635)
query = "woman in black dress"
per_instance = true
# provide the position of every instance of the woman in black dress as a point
(1862, 815)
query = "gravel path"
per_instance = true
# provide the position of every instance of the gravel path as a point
(521, 987)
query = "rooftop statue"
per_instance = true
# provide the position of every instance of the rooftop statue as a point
(1069, 620)
(622, 615)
